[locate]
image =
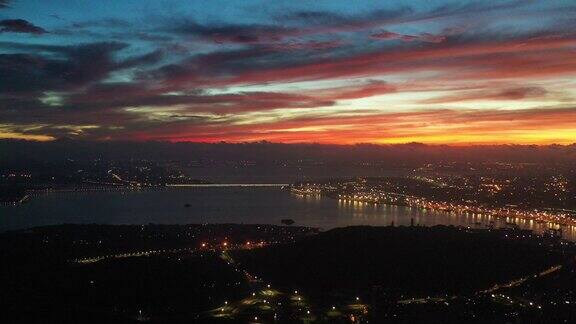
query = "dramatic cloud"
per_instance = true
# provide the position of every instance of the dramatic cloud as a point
(306, 45)
(425, 37)
(19, 26)
(146, 59)
(464, 127)
(474, 72)
(504, 94)
(73, 67)
(243, 34)
(372, 88)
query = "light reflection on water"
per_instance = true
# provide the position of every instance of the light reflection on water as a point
(232, 205)
(402, 215)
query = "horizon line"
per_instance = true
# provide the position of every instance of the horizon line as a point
(413, 143)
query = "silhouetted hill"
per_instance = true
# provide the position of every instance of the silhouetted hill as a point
(402, 260)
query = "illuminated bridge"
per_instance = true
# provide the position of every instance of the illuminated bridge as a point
(228, 185)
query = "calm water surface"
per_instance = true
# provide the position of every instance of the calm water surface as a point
(225, 205)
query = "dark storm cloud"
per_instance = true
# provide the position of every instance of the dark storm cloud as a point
(244, 34)
(20, 26)
(63, 68)
(203, 67)
(117, 96)
(73, 67)
(216, 68)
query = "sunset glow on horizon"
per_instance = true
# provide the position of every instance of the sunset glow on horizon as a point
(333, 72)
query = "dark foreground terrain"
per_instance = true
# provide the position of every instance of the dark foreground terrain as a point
(282, 274)
(405, 261)
(102, 274)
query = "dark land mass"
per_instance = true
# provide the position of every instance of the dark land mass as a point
(41, 283)
(85, 165)
(63, 242)
(285, 274)
(11, 194)
(65, 164)
(403, 261)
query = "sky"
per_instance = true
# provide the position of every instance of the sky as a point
(334, 72)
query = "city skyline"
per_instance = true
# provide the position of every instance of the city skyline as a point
(330, 72)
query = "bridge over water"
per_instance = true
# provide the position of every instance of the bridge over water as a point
(208, 185)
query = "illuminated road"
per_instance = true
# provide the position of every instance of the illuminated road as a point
(88, 260)
(491, 291)
(207, 185)
(264, 304)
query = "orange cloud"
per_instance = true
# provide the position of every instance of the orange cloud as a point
(539, 126)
